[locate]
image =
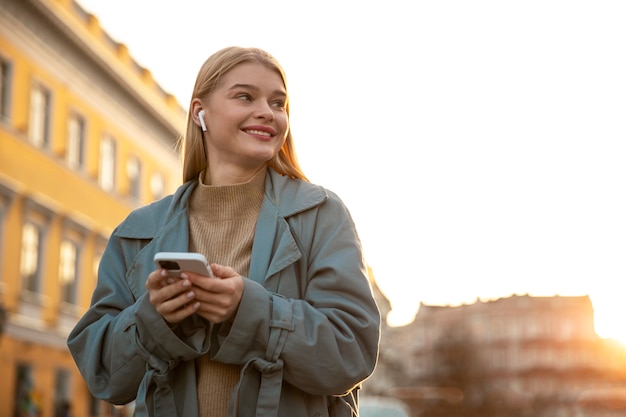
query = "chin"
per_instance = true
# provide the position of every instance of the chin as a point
(265, 155)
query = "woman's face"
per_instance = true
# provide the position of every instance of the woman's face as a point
(246, 118)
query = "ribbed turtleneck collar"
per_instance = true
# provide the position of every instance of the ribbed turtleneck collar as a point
(224, 202)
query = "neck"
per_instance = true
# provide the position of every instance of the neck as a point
(221, 175)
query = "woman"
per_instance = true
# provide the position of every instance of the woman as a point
(288, 326)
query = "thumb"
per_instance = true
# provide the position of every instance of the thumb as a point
(222, 271)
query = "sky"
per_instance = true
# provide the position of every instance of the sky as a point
(479, 145)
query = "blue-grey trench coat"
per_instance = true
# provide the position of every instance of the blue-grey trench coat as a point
(306, 333)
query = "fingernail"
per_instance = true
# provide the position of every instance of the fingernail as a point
(163, 272)
(186, 283)
(184, 276)
(196, 305)
(190, 294)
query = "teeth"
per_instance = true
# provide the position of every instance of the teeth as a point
(258, 132)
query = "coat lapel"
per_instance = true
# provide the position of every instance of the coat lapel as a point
(274, 246)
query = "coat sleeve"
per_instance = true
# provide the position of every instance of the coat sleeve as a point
(121, 337)
(326, 341)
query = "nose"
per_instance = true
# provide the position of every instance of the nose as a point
(264, 110)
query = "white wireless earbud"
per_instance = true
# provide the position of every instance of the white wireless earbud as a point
(201, 117)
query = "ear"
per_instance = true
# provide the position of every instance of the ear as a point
(195, 108)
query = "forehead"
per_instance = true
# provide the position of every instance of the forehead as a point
(254, 74)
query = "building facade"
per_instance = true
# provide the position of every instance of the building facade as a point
(86, 135)
(515, 356)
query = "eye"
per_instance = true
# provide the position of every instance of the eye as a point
(244, 96)
(279, 104)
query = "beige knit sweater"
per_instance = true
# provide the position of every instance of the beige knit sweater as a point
(222, 221)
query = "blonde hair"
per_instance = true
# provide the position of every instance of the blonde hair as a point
(192, 144)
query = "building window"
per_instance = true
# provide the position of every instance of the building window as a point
(26, 398)
(106, 177)
(68, 266)
(75, 142)
(95, 407)
(6, 75)
(29, 261)
(6, 197)
(133, 170)
(39, 123)
(157, 185)
(62, 403)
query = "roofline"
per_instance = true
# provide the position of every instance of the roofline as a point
(113, 57)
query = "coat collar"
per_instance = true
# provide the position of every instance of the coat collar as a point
(165, 224)
(292, 196)
(287, 196)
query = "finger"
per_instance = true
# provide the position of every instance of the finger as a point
(155, 279)
(218, 306)
(182, 313)
(179, 307)
(205, 283)
(166, 292)
(222, 271)
(219, 291)
(216, 313)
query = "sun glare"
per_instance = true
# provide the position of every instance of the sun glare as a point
(609, 319)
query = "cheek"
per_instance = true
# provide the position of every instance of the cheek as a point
(283, 122)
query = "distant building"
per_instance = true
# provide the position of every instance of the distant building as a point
(528, 356)
(86, 135)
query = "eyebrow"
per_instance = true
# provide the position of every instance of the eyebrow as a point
(255, 88)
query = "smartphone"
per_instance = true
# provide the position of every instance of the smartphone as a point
(178, 262)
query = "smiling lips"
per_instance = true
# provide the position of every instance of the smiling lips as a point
(262, 131)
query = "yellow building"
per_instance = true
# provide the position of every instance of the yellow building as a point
(86, 135)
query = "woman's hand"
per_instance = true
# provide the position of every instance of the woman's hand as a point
(173, 298)
(218, 297)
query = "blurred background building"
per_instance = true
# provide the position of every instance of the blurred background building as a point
(516, 356)
(86, 135)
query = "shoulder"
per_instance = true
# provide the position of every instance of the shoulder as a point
(144, 221)
(291, 195)
(294, 196)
